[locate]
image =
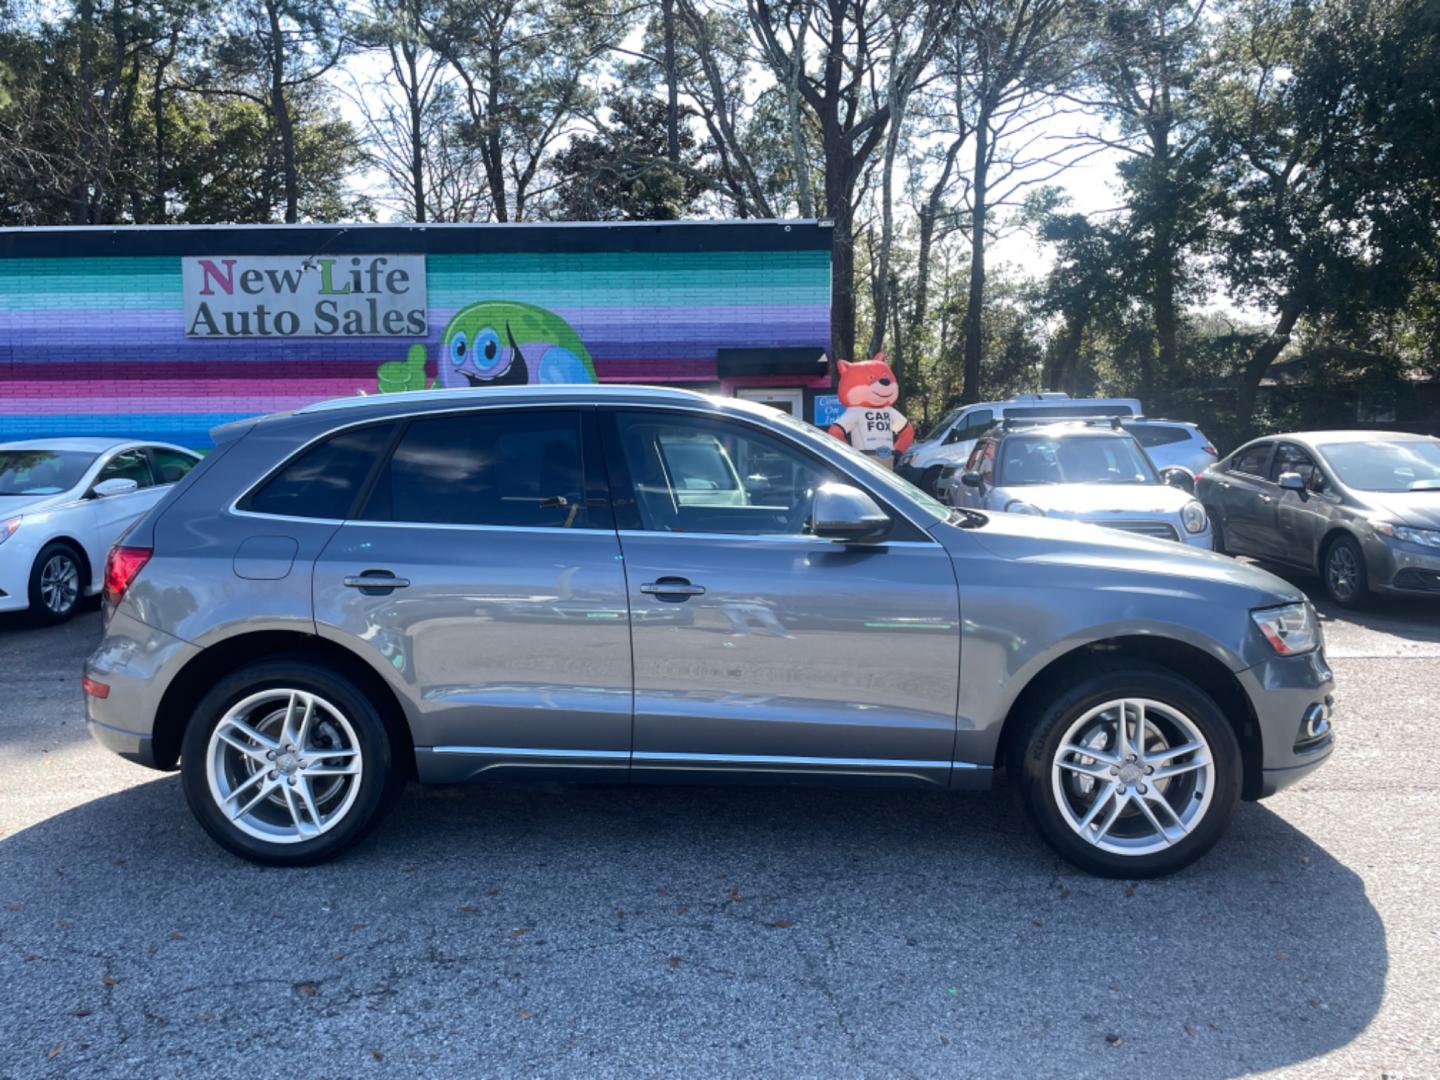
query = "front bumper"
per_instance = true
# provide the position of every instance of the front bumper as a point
(17, 559)
(1285, 693)
(137, 663)
(1398, 567)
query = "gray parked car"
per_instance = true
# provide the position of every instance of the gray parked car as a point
(1173, 442)
(1361, 508)
(528, 583)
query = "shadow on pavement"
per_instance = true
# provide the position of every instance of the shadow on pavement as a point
(624, 930)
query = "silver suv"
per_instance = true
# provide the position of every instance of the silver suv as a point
(565, 583)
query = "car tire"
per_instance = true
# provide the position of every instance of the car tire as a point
(1343, 573)
(57, 582)
(256, 773)
(1105, 813)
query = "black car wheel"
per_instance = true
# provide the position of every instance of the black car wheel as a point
(1343, 570)
(288, 763)
(1133, 772)
(57, 581)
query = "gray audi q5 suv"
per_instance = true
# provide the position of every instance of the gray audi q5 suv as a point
(623, 583)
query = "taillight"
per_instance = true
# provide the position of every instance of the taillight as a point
(1210, 450)
(120, 570)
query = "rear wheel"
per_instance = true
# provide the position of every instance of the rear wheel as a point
(1343, 570)
(57, 581)
(1133, 772)
(287, 763)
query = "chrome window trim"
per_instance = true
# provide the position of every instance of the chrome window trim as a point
(696, 409)
(784, 538)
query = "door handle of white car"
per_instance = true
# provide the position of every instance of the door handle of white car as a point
(672, 588)
(376, 582)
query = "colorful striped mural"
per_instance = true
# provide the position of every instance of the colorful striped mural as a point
(96, 344)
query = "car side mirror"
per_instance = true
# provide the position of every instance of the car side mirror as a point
(116, 485)
(972, 479)
(1179, 477)
(1292, 481)
(843, 512)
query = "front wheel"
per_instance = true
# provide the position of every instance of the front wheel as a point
(56, 582)
(1346, 581)
(1131, 773)
(287, 763)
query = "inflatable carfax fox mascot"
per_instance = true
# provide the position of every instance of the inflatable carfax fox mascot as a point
(868, 390)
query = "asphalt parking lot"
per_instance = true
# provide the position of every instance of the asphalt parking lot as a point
(613, 931)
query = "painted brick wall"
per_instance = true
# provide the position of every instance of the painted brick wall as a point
(96, 344)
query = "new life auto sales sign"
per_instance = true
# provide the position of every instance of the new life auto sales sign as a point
(269, 296)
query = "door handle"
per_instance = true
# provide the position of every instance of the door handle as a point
(376, 582)
(672, 589)
(1266, 499)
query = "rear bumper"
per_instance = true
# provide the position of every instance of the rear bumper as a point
(130, 745)
(136, 662)
(1287, 693)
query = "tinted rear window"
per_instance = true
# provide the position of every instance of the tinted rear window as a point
(1156, 434)
(324, 481)
(521, 469)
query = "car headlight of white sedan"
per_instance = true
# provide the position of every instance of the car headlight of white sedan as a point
(1192, 516)
(8, 527)
(1019, 506)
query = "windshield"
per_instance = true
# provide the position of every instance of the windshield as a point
(1408, 465)
(1080, 459)
(42, 472)
(876, 474)
(939, 428)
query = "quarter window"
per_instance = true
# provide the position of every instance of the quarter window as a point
(128, 465)
(691, 475)
(522, 469)
(324, 481)
(1149, 435)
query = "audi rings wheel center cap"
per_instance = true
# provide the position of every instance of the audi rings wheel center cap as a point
(287, 763)
(1130, 773)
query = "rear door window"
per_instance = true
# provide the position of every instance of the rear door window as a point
(325, 480)
(1252, 461)
(169, 465)
(522, 468)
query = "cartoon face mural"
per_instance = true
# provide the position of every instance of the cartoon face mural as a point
(505, 343)
(870, 423)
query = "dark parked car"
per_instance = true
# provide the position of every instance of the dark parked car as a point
(621, 583)
(1361, 508)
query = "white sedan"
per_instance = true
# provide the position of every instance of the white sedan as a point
(63, 502)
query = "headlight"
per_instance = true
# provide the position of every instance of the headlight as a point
(8, 527)
(1290, 629)
(1423, 537)
(1193, 517)
(1015, 506)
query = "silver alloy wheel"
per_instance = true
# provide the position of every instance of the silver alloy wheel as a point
(1133, 776)
(284, 766)
(1342, 571)
(59, 583)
